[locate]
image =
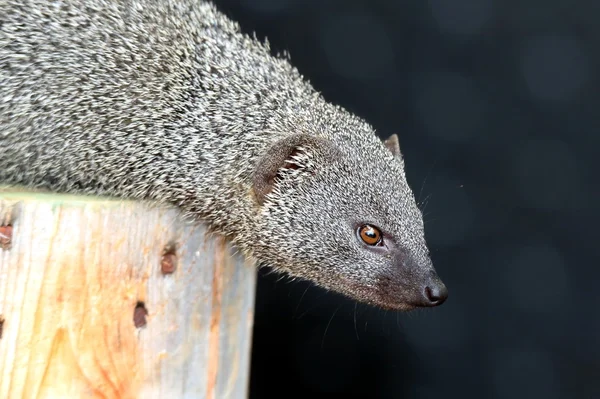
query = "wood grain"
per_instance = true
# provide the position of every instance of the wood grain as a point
(72, 272)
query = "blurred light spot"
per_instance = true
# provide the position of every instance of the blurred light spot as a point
(357, 47)
(450, 106)
(533, 15)
(536, 280)
(464, 17)
(554, 67)
(523, 374)
(546, 173)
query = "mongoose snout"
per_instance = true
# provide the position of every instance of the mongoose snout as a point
(435, 293)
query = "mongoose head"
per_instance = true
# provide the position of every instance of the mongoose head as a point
(349, 220)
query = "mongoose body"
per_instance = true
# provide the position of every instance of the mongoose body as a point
(168, 101)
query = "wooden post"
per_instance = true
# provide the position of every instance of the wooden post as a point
(101, 298)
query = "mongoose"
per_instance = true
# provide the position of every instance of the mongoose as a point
(169, 101)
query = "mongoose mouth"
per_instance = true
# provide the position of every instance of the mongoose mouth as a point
(397, 296)
(375, 297)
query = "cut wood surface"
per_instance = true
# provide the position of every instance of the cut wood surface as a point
(101, 298)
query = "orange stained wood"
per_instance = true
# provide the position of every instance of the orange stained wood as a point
(70, 282)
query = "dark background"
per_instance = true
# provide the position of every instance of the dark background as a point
(496, 105)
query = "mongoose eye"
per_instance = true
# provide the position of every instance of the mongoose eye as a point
(370, 234)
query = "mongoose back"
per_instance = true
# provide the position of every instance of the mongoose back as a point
(168, 101)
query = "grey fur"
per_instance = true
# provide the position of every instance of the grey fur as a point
(167, 101)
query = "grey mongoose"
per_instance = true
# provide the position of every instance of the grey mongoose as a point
(169, 101)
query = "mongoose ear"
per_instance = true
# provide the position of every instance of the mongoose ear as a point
(393, 145)
(292, 153)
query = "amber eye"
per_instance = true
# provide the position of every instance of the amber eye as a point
(371, 235)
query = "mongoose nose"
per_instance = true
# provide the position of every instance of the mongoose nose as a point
(435, 294)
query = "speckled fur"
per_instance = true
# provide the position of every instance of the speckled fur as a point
(167, 101)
